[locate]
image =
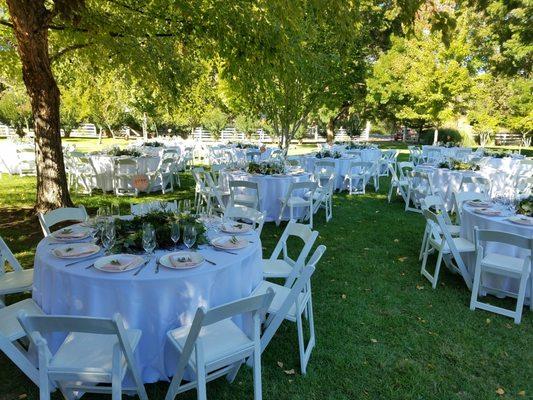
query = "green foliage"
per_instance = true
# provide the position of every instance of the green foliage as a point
(246, 124)
(214, 119)
(15, 109)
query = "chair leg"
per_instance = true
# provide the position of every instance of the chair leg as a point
(258, 389)
(520, 299)
(301, 346)
(437, 270)
(424, 238)
(475, 288)
(201, 383)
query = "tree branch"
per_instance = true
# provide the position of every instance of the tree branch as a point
(61, 52)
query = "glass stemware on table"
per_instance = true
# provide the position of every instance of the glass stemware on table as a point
(189, 236)
(175, 233)
(148, 238)
(108, 235)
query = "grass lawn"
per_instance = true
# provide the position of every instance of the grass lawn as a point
(382, 332)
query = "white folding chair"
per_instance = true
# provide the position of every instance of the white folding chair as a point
(359, 173)
(401, 185)
(96, 350)
(11, 334)
(215, 200)
(419, 188)
(244, 193)
(17, 281)
(461, 197)
(214, 346)
(293, 199)
(140, 209)
(505, 266)
(166, 171)
(253, 155)
(388, 157)
(124, 170)
(476, 184)
(276, 267)
(435, 202)
(433, 156)
(290, 302)
(49, 219)
(447, 247)
(247, 214)
(81, 171)
(26, 162)
(324, 176)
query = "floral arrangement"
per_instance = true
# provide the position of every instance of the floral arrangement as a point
(242, 145)
(118, 152)
(266, 168)
(455, 165)
(360, 146)
(525, 207)
(328, 154)
(153, 144)
(129, 232)
(497, 153)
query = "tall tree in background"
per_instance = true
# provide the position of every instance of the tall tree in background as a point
(31, 20)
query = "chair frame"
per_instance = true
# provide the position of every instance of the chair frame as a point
(66, 380)
(229, 365)
(310, 187)
(51, 218)
(525, 276)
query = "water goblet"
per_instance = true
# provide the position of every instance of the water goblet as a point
(148, 238)
(175, 232)
(189, 236)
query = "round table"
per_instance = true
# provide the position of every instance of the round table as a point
(103, 164)
(272, 188)
(447, 181)
(153, 303)
(471, 219)
(342, 165)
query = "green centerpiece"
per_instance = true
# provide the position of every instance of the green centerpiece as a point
(118, 152)
(328, 154)
(266, 168)
(129, 232)
(525, 207)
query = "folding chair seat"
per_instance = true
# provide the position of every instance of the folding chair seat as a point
(17, 281)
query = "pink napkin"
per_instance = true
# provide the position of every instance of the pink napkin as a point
(70, 235)
(75, 251)
(118, 267)
(176, 262)
(229, 245)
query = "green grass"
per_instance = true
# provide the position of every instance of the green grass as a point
(382, 332)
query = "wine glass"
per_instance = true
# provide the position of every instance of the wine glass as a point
(148, 238)
(114, 210)
(175, 232)
(189, 235)
(108, 236)
(187, 206)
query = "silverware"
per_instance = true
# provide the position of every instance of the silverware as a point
(80, 261)
(210, 262)
(141, 267)
(157, 263)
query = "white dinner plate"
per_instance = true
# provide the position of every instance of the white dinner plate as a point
(182, 260)
(118, 262)
(487, 211)
(75, 250)
(71, 234)
(521, 220)
(235, 227)
(479, 203)
(224, 242)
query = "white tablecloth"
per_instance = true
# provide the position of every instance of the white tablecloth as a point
(10, 158)
(450, 152)
(153, 303)
(469, 221)
(341, 164)
(448, 181)
(103, 165)
(271, 189)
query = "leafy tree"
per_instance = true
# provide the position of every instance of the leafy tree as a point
(15, 110)
(246, 124)
(214, 119)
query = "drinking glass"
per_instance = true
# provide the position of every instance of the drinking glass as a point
(108, 236)
(187, 206)
(148, 238)
(189, 235)
(114, 210)
(175, 233)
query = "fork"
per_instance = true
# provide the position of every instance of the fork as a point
(141, 268)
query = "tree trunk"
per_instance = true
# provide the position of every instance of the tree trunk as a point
(331, 130)
(30, 24)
